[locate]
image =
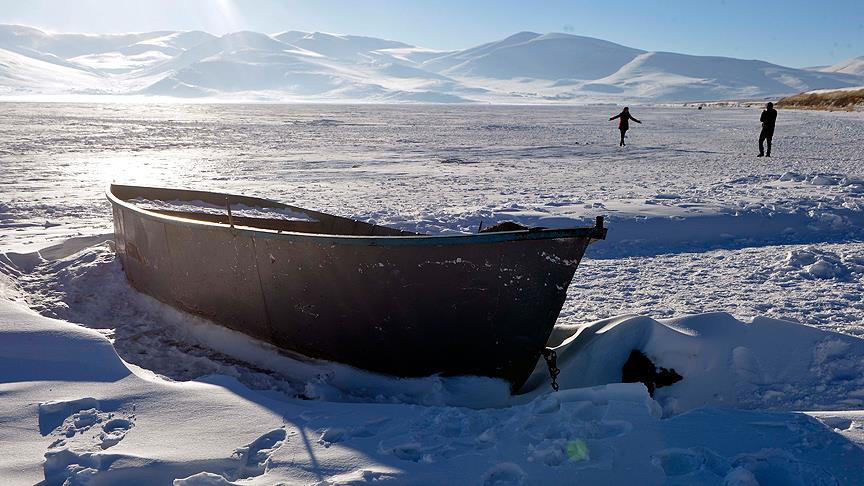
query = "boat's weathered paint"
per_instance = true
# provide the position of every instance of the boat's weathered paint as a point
(370, 296)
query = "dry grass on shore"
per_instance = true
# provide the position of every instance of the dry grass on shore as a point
(845, 100)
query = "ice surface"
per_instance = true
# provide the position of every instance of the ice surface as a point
(538, 166)
(712, 253)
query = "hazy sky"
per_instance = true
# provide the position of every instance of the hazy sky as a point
(789, 32)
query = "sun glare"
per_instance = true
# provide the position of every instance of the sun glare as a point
(224, 15)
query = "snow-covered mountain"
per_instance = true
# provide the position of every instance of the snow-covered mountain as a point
(295, 65)
(22, 73)
(666, 75)
(530, 55)
(854, 65)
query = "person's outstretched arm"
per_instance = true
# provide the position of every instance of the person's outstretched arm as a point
(616, 116)
(637, 121)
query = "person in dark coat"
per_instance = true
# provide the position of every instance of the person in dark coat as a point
(624, 122)
(769, 116)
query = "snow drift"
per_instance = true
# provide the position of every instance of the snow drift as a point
(80, 413)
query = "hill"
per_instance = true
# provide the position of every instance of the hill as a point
(310, 66)
(830, 100)
(854, 66)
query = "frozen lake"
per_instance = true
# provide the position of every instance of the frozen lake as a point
(697, 224)
(686, 192)
(433, 168)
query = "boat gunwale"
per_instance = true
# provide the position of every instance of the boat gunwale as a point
(591, 232)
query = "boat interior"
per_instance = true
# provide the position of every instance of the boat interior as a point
(317, 222)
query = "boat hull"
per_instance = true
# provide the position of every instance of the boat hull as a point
(407, 306)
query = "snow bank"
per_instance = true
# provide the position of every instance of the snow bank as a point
(137, 429)
(813, 263)
(651, 235)
(764, 364)
(87, 286)
(62, 354)
(78, 412)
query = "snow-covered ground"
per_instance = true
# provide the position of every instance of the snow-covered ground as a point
(742, 274)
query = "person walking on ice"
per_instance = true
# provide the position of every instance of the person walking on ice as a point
(769, 116)
(624, 122)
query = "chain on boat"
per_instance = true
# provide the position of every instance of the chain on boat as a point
(551, 358)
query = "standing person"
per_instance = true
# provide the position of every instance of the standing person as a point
(624, 122)
(769, 116)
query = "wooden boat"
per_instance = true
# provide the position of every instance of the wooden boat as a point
(333, 288)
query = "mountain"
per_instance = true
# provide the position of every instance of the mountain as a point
(459, 57)
(341, 47)
(853, 66)
(670, 76)
(297, 65)
(24, 74)
(312, 65)
(108, 53)
(530, 55)
(152, 49)
(20, 38)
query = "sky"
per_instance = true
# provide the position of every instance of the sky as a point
(793, 33)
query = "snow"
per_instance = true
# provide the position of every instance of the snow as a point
(665, 75)
(413, 54)
(115, 422)
(294, 66)
(820, 91)
(854, 65)
(742, 274)
(202, 207)
(118, 62)
(550, 56)
(19, 73)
